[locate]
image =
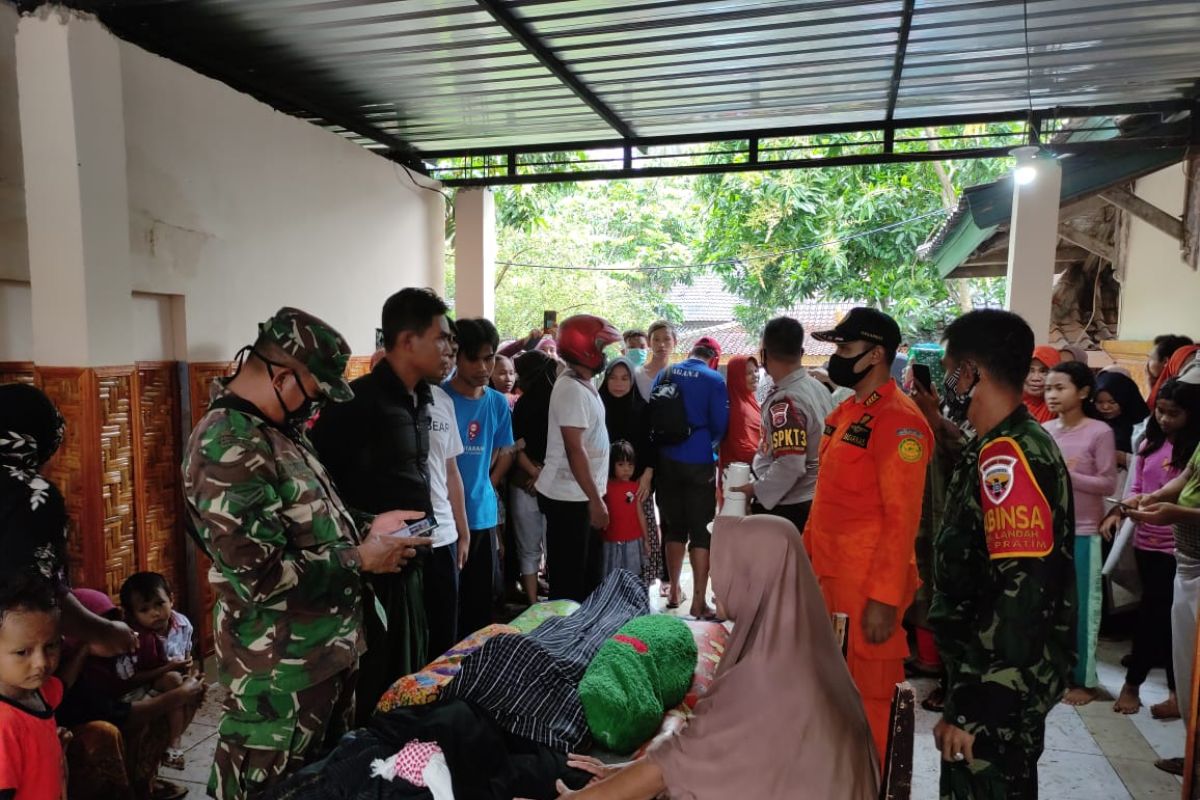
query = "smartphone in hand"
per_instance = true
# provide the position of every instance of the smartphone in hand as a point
(921, 375)
(423, 528)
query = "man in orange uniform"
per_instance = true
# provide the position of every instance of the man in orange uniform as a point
(867, 506)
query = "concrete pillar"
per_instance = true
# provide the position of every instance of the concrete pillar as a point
(1033, 243)
(435, 210)
(475, 253)
(76, 198)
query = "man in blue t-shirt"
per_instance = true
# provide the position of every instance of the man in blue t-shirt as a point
(485, 425)
(685, 480)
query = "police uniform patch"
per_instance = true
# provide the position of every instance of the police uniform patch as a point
(788, 429)
(911, 450)
(1017, 521)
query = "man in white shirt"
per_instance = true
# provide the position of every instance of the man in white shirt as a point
(572, 482)
(449, 508)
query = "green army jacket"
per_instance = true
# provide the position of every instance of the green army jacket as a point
(285, 567)
(1003, 606)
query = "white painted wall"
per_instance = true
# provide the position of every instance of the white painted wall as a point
(16, 321)
(1160, 293)
(238, 209)
(242, 210)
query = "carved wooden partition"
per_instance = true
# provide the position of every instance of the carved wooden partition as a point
(117, 469)
(357, 367)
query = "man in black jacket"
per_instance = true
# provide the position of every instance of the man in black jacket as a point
(376, 447)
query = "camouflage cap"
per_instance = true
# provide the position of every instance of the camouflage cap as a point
(316, 345)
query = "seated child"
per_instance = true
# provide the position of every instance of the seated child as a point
(31, 756)
(625, 536)
(94, 704)
(164, 654)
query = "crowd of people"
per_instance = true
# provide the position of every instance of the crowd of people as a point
(360, 529)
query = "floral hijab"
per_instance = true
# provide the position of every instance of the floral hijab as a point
(33, 516)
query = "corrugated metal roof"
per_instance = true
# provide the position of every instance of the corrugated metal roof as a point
(459, 75)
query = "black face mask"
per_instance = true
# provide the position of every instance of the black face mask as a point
(958, 403)
(841, 370)
(294, 419)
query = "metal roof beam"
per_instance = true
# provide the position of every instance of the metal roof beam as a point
(1111, 147)
(906, 18)
(524, 34)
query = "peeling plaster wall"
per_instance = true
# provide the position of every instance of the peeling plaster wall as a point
(242, 209)
(1160, 293)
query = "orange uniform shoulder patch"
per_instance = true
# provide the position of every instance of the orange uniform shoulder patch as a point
(1016, 515)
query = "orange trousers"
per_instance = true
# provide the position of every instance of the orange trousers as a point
(875, 668)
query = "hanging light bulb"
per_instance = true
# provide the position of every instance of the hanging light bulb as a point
(1025, 171)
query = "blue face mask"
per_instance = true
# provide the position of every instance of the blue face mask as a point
(637, 356)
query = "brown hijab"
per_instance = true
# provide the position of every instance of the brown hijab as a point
(782, 718)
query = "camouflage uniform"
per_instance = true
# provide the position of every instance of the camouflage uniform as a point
(285, 571)
(1003, 604)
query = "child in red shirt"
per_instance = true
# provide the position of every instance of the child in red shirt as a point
(625, 536)
(31, 755)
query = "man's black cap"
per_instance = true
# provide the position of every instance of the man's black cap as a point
(864, 324)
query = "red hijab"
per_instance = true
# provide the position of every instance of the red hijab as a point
(744, 433)
(1037, 403)
(1172, 369)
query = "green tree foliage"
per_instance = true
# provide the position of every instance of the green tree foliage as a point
(765, 234)
(770, 228)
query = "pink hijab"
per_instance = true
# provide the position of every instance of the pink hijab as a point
(782, 718)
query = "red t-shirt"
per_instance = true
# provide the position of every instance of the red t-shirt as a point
(31, 757)
(621, 500)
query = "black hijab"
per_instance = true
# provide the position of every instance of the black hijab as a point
(536, 373)
(622, 415)
(1133, 408)
(33, 516)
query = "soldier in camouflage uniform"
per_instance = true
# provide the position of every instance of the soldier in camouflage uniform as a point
(287, 555)
(1004, 584)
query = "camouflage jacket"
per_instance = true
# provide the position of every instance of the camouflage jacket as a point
(285, 570)
(1003, 608)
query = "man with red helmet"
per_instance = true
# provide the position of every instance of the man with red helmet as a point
(576, 465)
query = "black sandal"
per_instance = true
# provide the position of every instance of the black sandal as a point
(936, 701)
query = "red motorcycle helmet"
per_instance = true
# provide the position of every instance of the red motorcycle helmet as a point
(582, 339)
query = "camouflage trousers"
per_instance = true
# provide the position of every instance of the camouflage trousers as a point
(1004, 767)
(265, 737)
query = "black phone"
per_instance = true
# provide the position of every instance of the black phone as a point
(922, 376)
(549, 320)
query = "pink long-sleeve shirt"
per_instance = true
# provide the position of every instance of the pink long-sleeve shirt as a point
(1151, 473)
(1091, 455)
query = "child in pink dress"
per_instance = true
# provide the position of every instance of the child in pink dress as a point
(1089, 448)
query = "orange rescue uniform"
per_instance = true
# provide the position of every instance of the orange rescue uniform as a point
(861, 530)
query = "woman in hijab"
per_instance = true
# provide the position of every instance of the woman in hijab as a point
(744, 434)
(624, 416)
(536, 373)
(33, 515)
(1045, 358)
(731, 746)
(1179, 359)
(1118, 401)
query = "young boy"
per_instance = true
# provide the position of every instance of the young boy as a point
(164, 654)
(31, 757)
(625, 536)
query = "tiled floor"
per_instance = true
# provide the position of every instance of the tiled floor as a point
(1092, 753)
